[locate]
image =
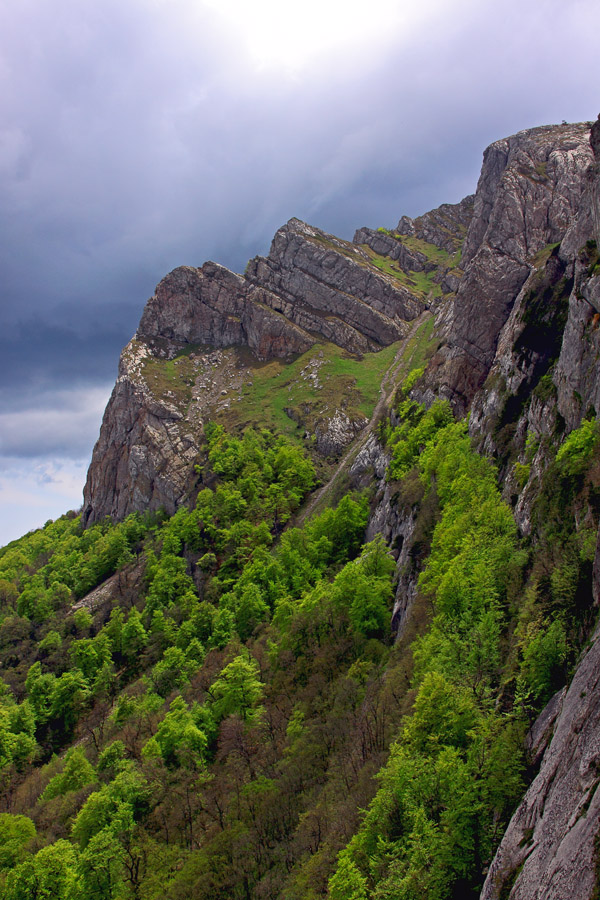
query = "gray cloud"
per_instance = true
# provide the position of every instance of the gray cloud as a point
(61, 424)
(138, 136)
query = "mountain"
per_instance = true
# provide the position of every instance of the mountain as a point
(435, 386)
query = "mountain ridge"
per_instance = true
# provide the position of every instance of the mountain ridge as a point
(385, 362)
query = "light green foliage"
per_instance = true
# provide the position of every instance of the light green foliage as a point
(77, 772)
(358, 600)
(575, 453)
(116, 805)
(456, 767)
(133, 635)
(89, 655)
(248, 609)
(179, 740)
(364, 587)
(238, 690)
(444, 714)
(162, 630)
(298, 562)
(18, 746)
(83, 619)
(107, 831)
(70, 696)
(417, 430)
(473, 553)
(343, 527)
(411, 379)
(16, 832)
(348, 883)
(45, 568)
(271, 476)
(111, 758)
(40, 687)
(51, 642)
(169, 581)
(59, 700)
(49, 875)
(101, 862)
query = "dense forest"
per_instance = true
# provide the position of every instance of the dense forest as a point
(233, 717)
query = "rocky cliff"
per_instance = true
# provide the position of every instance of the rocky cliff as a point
(543, 380)
(313, 287)
(550, 848)
(511, 277)
(528, 194)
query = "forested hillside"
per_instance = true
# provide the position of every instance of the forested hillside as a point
(338, 552)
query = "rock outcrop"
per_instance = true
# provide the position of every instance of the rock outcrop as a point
(329, 287)
(529, 193)
(444, 227)
(312, 287)
(144, 457)
(214, 306)
(549, 850)
(544, 379)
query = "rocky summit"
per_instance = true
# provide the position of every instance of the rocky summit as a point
(332, 617)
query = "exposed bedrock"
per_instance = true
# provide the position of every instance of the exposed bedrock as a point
(549, 849)
(529, 192)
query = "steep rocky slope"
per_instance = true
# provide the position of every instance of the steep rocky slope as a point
(548, 379)
(313, 287)
(512, 277)
(528, 193)
(550, 848)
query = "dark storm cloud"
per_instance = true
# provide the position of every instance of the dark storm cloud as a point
(134, 138)
(138, 136)
(58, 425)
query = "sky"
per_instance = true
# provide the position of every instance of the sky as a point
(139, 135)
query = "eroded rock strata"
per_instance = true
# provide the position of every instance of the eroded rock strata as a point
(312, 287)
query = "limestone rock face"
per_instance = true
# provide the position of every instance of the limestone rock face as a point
(551, 333)
(214, 306)
(327, 286)
(544, 379)
(529, 192)
(335, 433)
(445, 227)
(143, 458)
(548, 851)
